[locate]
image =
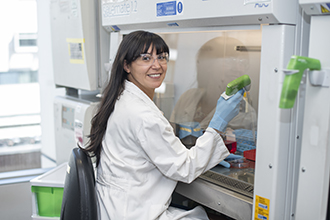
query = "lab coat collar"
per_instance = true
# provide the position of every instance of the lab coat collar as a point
(133, 89)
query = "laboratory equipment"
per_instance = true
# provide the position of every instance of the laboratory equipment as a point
(72, 123)
(238, 84)
(295, 69)
(314, 164)
(224, 40)
(80, 49)
(80, 45)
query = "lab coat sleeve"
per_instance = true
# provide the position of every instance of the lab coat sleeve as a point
(172, 158)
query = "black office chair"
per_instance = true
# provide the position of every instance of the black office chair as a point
(79, 196)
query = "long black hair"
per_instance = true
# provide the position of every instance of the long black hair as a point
(131, 47)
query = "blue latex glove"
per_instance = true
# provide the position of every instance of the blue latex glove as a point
(224, 164)
(225, 111)
(229, 158)
(233, 157)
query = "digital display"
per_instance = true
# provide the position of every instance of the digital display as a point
(68, 118)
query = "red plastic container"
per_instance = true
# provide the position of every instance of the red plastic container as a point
(250, 154)
(231, 146)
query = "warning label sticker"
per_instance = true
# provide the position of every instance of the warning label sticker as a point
(76, 50)
(169, 8)
(325, 8)
(261, 208)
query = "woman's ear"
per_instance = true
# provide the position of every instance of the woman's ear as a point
(126, 67)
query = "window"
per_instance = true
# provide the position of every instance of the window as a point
(20, 131)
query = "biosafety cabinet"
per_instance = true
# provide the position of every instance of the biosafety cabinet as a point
(213, 42)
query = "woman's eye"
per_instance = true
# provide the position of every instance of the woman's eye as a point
(146, 58)
(161, 57)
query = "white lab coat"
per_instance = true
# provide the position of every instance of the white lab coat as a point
(142, 160)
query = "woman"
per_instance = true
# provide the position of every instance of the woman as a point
(139, 158)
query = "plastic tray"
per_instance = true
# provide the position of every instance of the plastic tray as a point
(47, 192)
(244, 139)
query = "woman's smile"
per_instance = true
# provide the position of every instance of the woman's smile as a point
(154, 75)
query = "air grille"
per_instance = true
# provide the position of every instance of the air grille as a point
(229, 183)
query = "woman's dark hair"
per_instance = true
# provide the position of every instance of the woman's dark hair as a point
(131, 47)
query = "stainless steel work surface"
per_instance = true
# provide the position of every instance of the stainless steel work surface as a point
(228, 191)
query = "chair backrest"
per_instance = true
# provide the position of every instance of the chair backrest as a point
(79, 196)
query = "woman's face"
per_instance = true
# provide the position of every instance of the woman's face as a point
(147, 77)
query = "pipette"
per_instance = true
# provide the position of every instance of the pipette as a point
(237, 84)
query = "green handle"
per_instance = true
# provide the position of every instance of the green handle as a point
(237, 84)
(291, 83)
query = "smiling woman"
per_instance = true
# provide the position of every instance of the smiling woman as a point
(139, 159)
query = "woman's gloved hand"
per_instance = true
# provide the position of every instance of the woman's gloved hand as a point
(230, 157)
(225, 111)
